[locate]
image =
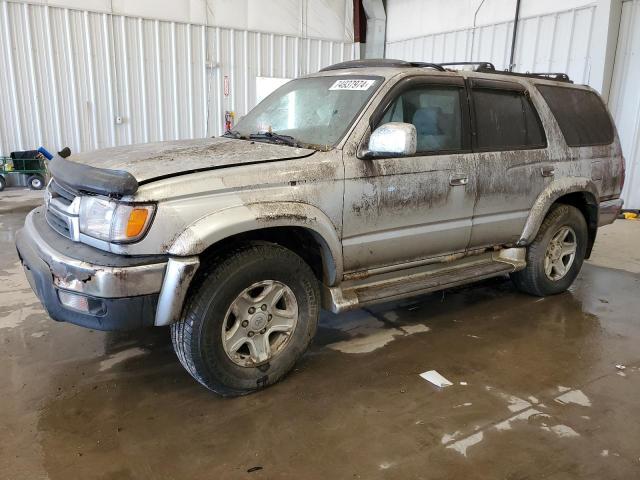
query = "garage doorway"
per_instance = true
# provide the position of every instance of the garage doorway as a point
(624, 100)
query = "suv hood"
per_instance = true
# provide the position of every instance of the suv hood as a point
(119, 170)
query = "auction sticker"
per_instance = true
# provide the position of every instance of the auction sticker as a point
(355, 84)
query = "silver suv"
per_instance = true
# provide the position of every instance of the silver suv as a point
(369, 181)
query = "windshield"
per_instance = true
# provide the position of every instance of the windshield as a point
(314, 112)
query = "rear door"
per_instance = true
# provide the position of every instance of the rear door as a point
(514, 163)
(399, 210)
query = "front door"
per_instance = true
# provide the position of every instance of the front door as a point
(400, 210)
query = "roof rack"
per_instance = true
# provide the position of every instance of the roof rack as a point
(488, 67)
(483, 67)
(364, 63)
(435, 66)
(558, 77)
(381, 62)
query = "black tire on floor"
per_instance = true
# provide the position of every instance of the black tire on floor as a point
(3, 183)
(197, 337)
(36, 182)
(533, 279)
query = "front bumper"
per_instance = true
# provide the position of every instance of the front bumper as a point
(120, 292)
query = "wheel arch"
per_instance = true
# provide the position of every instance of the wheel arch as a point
(577, 192)
(301, 227)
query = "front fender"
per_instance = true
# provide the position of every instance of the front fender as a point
(222, 224)
(549, 195)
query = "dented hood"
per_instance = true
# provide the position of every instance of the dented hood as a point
(149, 161)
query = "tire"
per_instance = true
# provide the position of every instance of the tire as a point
(534, 279)
(3, 183)
(35, 182)
(198, 336)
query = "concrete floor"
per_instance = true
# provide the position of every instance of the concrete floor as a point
(536, 390)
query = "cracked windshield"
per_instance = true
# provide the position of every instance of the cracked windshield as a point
(308, 112)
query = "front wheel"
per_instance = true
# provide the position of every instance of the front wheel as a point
(249, 318)
(555, 257)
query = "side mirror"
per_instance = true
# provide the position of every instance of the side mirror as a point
(393, 139)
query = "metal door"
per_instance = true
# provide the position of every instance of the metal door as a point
(399, 210)
(624, 99)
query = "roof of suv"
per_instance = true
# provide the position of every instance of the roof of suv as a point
(389, 68)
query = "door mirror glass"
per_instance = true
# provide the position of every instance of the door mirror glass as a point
(394, 139)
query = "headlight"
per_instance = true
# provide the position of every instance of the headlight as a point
(112, 221)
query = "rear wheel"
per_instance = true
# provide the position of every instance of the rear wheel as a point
(3, 183)
(36, 182)
(248, 320)
(555, 257)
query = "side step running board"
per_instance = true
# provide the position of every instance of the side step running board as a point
(421, 280)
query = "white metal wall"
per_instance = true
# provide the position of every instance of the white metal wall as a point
(66, 75)
(624, 99)
(557, 41)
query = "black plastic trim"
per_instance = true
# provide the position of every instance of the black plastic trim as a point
(85, 178)
(126, 313)
(485, 66)
(556, 77)
(496, 84)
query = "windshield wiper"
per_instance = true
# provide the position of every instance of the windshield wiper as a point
(286, 139)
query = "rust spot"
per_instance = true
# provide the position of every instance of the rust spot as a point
(62, 273)
(361, 275)
(121, 274)
(289, 212)
(269, 217)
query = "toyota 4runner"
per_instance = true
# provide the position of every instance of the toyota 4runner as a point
(369, 181)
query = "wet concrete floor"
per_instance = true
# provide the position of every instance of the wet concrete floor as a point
(536, 390)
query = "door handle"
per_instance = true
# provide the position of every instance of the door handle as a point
(458, 179)
(548, 171)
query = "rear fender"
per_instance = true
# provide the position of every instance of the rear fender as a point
(548, 197)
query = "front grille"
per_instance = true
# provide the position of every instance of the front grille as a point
(62, 194)
(62, 210)
(57, 223)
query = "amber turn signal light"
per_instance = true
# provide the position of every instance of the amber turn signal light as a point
(137, 221)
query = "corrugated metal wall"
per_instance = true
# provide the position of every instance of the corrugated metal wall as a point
(67, 75)
(557, 41)
(624, 99)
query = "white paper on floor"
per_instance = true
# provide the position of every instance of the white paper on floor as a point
(435, 378)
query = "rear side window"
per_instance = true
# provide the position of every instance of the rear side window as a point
(506, 120)
(582, 116)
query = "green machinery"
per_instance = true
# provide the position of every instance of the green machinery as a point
(23, 172)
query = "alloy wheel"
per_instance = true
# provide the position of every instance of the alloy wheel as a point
(259, 323)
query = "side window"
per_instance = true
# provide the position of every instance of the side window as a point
(506, 120)
(581, 115)
(435, 112)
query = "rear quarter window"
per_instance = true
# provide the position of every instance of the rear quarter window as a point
(581, 115)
